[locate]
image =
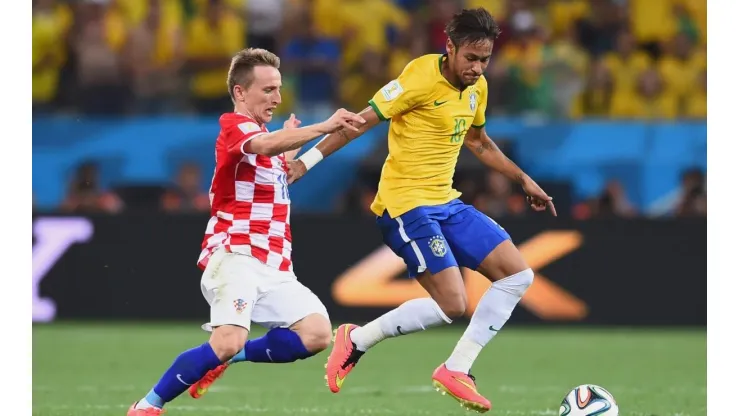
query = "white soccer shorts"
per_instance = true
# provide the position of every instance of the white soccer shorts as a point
(241, 289)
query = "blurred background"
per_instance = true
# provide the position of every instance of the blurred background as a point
(603, 102)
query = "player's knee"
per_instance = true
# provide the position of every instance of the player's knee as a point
(516, 284)
(227, 341)
(315, 333)
(317, 340)
(454, 306)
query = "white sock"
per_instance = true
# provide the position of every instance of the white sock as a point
(493, 310)
(412, 316)
(143, 404)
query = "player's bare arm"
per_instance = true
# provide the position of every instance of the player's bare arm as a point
(486, 151)
(330, 144)
(281, 141)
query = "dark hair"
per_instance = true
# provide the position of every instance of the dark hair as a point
(244, 62)
(472, 26)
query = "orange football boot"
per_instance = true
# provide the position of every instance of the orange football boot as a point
(200, 388)
(149, 411)
(343, 358)
(461, 387)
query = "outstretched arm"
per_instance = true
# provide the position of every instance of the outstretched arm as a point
(286, 139)
(330, 144)
(486, 151)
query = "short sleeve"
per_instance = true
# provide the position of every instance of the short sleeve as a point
(241, 135)
(400, 95)
(480, 115)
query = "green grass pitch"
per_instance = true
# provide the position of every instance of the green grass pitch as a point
(100, 369)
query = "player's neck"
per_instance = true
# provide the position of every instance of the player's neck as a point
(245, 112)
(447, 74)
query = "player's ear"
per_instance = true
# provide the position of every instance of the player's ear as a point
(239, 92)
(450, 47)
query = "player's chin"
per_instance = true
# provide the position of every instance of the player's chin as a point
(470, 80)
(267, 115)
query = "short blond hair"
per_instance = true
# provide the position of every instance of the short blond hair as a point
(242, 66)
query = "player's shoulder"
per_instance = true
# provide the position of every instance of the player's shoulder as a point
(482, 81)
(239, 122)
(424, 66)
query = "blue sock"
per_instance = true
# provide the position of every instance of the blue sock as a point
(279, 345)
(188, 368)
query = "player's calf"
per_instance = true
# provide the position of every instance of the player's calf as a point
(448, 301)
(512, 277)
(302, 340)
(185, 371)
(226, 341)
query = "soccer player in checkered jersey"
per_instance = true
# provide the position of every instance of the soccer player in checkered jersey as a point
(246, 258)
(435, 106)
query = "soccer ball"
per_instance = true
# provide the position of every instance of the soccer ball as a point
(589, 400)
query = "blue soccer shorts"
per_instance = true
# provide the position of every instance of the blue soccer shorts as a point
(440, 236)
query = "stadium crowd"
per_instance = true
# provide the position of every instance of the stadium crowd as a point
(625, 59)
(558, 58)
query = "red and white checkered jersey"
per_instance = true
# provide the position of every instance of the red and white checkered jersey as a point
(250, 205)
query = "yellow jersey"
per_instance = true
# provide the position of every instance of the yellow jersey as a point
(429, 119)
(206, 41)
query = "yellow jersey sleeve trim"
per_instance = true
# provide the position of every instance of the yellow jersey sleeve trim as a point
(377, 111)
(479, 126)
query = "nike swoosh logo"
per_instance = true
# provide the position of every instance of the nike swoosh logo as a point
(491, 328)
(466, 384)
(268, 355)
(398, 328)
(340, 380)
(437, 104)
(179, 378)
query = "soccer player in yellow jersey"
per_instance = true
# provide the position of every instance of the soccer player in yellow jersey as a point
(435, 106)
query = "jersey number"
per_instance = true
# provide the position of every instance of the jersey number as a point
(459, 132)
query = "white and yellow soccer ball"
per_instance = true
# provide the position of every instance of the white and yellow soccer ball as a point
(589, 400)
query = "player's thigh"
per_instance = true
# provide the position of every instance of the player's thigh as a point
(230, 285)
(420, 243)
(480, 243)
(286, 301)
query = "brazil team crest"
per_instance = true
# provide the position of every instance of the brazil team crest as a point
(437, 244)
(473, 101)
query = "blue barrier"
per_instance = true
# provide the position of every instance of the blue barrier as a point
(646, 157)
(150, 150)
